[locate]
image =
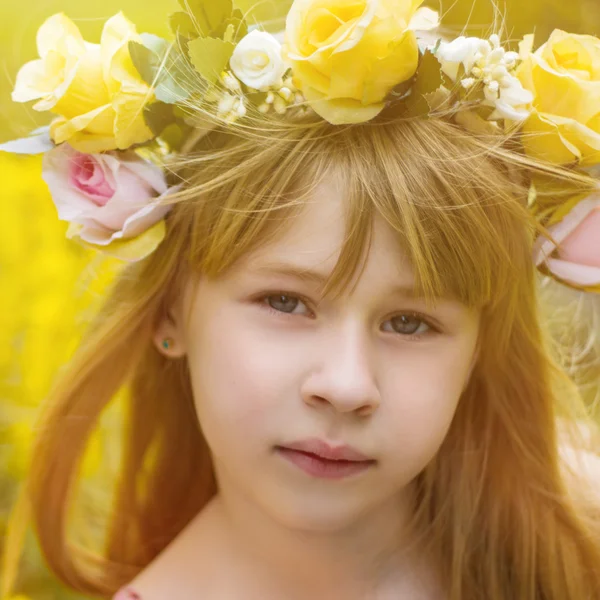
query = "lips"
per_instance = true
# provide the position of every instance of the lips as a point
(326, 468)
(324, 450)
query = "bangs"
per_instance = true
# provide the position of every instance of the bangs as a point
(459, 212)
(456, 205)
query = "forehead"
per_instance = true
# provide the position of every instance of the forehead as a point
(314, 239)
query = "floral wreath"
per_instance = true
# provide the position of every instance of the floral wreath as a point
(119, 105)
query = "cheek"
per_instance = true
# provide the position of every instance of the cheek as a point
(238, 379)
(420, 401)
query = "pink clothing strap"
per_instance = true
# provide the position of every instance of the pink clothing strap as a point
(127, 594)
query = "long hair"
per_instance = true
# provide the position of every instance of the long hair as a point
(496, 507)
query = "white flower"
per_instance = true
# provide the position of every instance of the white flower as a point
(461, 51)
(512, 101)
(486, 62)
(257, 61)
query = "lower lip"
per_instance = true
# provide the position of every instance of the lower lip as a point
(323, 468)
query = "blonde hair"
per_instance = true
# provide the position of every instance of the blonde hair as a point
(498, 511)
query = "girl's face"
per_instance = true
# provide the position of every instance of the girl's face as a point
(271, 364)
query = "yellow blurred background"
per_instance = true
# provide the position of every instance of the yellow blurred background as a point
(50, 286)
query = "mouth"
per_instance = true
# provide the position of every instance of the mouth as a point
(324, 468)
(327, 450)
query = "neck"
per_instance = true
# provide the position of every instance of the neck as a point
(371, 555)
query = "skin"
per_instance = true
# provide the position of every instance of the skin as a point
(268, 370)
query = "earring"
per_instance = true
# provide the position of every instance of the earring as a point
(167, 343)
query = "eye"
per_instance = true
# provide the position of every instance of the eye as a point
(282, 303)
(410, 325)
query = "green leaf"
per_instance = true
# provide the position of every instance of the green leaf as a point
(179, 112)
(155, 44)
(169, 90)
(161, 65)
(207, 19)
(145, 61)
(159, 116)
(167, 121)
(429, 77)
(270, 14)
(181, 23)
(207, 15)
(428, 80)
(210, 56)
(174, 136)
(233, 29)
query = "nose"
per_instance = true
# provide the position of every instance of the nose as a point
(343, 376)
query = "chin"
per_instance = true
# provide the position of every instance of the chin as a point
(318, 514)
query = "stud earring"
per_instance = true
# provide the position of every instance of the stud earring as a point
(167, 343)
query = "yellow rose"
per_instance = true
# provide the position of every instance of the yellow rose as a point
(564, 76)
(347, 56)
(94, 88)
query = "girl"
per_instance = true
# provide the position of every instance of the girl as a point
(339, 382)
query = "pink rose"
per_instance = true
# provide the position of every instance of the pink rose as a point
(577, 258)
(109, 197)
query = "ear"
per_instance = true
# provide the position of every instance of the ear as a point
(168, 334)
(172, 327)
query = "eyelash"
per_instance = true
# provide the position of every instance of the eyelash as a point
(278, 313)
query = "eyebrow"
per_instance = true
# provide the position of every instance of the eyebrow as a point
(313, 276)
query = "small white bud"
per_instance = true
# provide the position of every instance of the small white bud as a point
(499, 72)
(264, 108)
(496, 56)
(227, 103)
(285, 93)
(279, 105)
(241, 110)
(495, 40)
(270, 98)
(506, 81)
(490, 94)
(468, 82)
(484, 48)
(231, 83)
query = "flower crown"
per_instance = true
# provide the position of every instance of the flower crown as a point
(117, 102)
